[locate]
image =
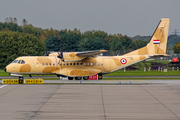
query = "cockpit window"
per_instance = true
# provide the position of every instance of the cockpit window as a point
(22, 62)
(19, 61)
(15, 61)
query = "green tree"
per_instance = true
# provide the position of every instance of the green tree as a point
(172, 40)
(52, 43)
(176, 48)
(15, 44)
(10, 26)
(91, 43)
(136, 44)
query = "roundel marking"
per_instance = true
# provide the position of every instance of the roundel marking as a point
(123, 61)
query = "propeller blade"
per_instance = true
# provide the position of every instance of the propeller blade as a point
(60, 55)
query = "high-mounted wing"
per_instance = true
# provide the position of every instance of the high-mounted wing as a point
(77, 56)
(91, 53)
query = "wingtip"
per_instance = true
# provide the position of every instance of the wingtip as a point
(104, 50)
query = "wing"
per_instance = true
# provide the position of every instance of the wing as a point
(77, 56)
(90, 53)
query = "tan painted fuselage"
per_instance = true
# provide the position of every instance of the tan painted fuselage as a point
(87, 67)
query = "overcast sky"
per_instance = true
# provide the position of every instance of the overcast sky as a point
(127, 17)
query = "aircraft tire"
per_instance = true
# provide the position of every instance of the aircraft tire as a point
(78, 78)
(70, 78)
(86, 77)
(21, 78)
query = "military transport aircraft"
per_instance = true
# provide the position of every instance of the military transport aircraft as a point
(84, 64)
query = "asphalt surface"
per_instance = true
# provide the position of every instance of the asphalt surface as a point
(12, 77)
(129, 81)
(173, 82)
(90, 102)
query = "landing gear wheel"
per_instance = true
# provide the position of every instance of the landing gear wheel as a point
(86, 77)
(78, 78)
(21, 80)
(70, 78)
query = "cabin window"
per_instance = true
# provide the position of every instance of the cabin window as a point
(63, 63)
(19, 61)
(37, 63)
(43, 64)
(80, 63)
(98, 64)
(84, 63)
(53, 64)
(22, 62)
(77, 63)
(60, 64)
(67, 63)
(15, 61)
(74, 63)
(46, 63)
(87, 63)
(70, 63)
(94, 63)
(101, 64)
(91, 63)
(50, 64)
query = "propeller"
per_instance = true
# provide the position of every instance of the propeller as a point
(60, 55)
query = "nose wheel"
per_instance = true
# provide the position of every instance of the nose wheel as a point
(21, 80)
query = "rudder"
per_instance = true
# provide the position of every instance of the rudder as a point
(158, 42)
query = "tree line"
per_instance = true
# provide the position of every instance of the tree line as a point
(25, 39)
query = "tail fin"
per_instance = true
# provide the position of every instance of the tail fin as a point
(158, 43)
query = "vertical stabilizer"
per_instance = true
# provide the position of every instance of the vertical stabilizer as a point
(158, 42)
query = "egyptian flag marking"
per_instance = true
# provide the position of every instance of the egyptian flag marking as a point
(156, 41)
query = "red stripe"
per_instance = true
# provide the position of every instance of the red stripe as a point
(155, 40)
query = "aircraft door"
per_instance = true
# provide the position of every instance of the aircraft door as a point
(107, 65)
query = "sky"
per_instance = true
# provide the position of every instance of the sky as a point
(126, 17)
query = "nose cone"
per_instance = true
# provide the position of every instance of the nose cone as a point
(5, 69)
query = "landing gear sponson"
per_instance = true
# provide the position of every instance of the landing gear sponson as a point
(76, 78)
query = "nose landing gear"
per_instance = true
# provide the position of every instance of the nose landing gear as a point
(21, 79)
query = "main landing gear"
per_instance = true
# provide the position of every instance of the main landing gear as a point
(70, 78)
(79, 78)
(86, 77)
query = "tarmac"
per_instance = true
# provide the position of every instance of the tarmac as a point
(133, 81)
(90, 102)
